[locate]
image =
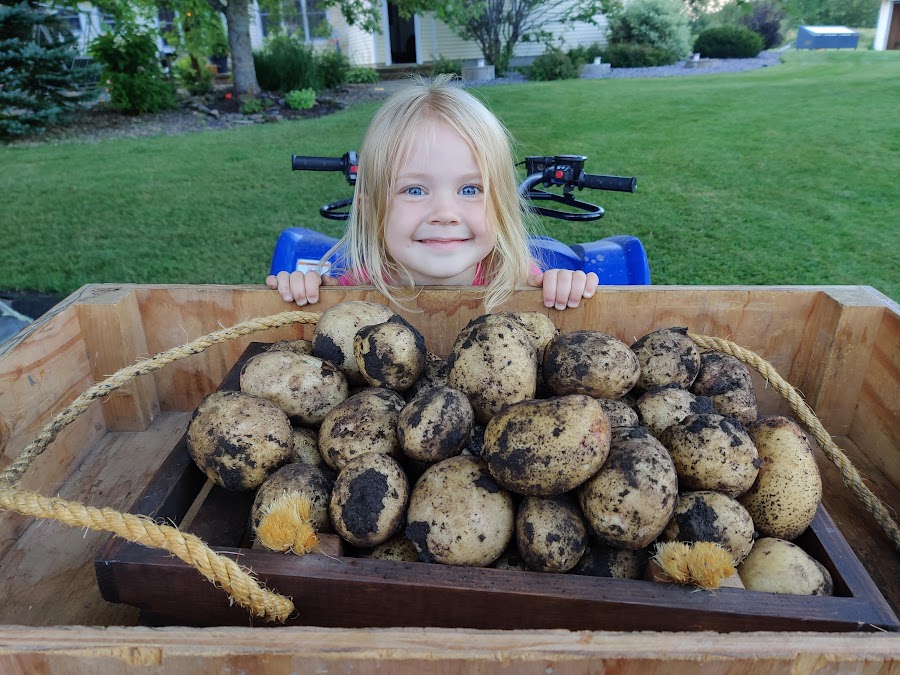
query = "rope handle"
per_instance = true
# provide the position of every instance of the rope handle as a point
(238, 582)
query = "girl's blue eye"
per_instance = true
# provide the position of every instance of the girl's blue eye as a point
(414, 190)
(469, 190)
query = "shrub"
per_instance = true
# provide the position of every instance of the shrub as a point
(728, 42)
(766, 18)
(449, 66)
(553, 64)
(300, 99)
(132, 70)
(331, 70)
(656, 23)
(187, 76)
(639, 56)
(251, 106)
(37, 85)
(362, 75)
(586, 53)
(284, 63)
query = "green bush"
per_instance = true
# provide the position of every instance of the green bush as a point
(300, 99)
(728, 42)
(251, 106)
(639, 56)
(449, 66)
(286, 63)
(586, 53)
(132, 70)
(331, 69)
(656, 23)
(553, 64)
(187, 76)
(766, 18)
(362, 75)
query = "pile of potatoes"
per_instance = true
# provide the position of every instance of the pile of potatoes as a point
(524, 449)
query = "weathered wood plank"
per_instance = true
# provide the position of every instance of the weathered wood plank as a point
(114, 338)
(43, 374)
(407, 651)
(49, 572)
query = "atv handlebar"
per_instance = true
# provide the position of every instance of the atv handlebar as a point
(566, 171)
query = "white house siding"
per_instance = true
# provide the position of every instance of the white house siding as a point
(356, 45)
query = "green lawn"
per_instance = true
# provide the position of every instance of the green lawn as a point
(786, 175)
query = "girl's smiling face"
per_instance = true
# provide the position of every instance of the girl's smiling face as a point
(435, 223)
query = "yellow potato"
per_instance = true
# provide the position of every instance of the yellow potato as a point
(778, 566)
(786, 495)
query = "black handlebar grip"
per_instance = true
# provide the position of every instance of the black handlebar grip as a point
(301, 163)
(614, 183)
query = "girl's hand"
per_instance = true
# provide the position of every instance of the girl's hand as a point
(564, 288)
(299, 287)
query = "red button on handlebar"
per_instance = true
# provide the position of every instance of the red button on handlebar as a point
(559, 173)
(352, 169)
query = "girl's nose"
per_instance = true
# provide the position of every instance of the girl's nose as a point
(443, 210)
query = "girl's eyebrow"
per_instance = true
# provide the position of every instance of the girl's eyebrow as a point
(474, 176)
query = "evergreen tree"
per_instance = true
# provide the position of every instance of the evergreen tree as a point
(38, 87)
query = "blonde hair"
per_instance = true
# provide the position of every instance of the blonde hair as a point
(385, 148)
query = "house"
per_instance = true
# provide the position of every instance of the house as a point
(418, 40)
(887, 34)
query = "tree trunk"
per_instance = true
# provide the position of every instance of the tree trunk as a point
(237, 16)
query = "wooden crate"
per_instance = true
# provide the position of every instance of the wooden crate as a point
(838, 345)
(349, 592)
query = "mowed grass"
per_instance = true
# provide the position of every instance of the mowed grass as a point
(785, 175)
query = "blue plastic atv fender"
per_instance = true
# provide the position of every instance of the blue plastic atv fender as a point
(617, 261)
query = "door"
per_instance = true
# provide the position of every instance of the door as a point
(402, 36)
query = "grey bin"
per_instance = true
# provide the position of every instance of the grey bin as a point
(826, 37)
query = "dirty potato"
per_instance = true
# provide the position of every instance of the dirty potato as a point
(631, 499)
(602, 560)
(397, 548)
(589, 362)
(310, 481)
(336, 331)
(306, 448)
(667, 356)
(298, 346)
(493, 363)
(435, 425)
(434, 374)
(728, 383)
(549, 446)
(540, 329)
(238, 439)
(458, 515)
(368, 502)
(551, 533)
(785, 497)
(620, 413)
(661, 407)
(390, 354)
(712, 452)
(304, 386)
(778, 566)
(365, 422)
(712, 516)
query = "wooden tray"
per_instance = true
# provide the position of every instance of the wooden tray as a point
(357, 593)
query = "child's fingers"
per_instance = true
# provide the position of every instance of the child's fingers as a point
(312, 281)
(272, 281)
(283, 283)
(557, 286)
(535, 280)
(591, 284)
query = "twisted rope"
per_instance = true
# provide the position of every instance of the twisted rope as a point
(240, 585)
(849, 473)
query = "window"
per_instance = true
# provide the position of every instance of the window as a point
(72, 19)
(316, 21)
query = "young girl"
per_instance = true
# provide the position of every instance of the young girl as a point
(437, 203)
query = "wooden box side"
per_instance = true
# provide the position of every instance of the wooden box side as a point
(42, 370)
